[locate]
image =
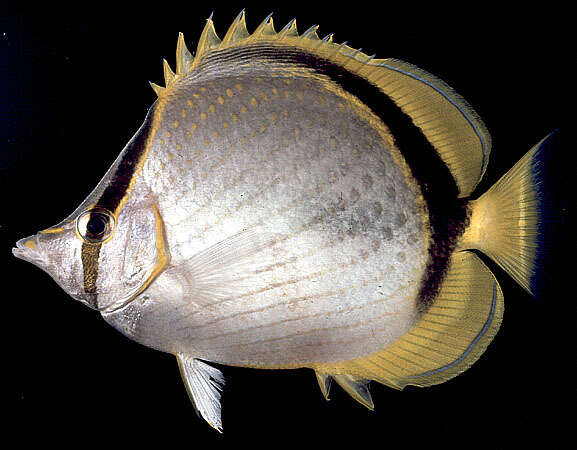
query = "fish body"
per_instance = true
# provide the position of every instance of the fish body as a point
(290, 202)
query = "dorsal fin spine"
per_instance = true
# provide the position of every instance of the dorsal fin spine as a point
(184, 58)
(463, 143)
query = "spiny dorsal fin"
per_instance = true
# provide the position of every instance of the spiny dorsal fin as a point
(237, 31)
(290, 30)
(446, 119)
(168, 73)
(266, 28)
(208, 40)
(184, 58)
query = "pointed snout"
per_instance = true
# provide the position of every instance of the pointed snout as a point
(28, 250)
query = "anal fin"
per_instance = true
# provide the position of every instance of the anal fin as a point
(203, 384)
(448, 338)
(358, 388)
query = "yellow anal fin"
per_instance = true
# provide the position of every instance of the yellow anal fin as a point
(449, 337)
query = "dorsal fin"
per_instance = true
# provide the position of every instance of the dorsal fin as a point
(445, 119)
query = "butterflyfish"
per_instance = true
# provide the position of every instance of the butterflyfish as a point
(291, 202)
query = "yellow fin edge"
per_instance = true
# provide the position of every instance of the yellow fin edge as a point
(449, 337)
(445, 118)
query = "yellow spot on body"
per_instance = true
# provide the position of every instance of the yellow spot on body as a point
(253, 102)
(234, 118)
(197, 152)
(211, 108)
(287, 94)
(162, 165)
(178, 147)
(171, 180)
(206, 142)
(341, 106)
(243, 110)
(193, 126)
(264, 96)
(229, 92)
(189, 103)
(299, 95)
(216, 134)
(196, 95)
(273, 117)
(203, 116)
(188, 134)
(202, 89)
(170, 154)
(183, 113)
(168, 134)
(203, 175)
(220, 100)
(262, 127)
(162, 142)
(175, 124)
(225, 124)
(322, 100)
(275, 92)
(30, 244)
(243, 140)
(238, 86)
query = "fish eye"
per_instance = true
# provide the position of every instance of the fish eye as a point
(95, 225)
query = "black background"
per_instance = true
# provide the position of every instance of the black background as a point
(73, 91)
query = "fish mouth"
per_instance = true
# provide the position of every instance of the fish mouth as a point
(28, 250)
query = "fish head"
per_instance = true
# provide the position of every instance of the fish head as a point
(102, 259)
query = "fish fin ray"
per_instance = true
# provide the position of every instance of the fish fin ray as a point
(223, 270)
(357, 388)
(449, 123)
(517, 221)
(324, 380)
(204, 384)
(448, 338)
(445, 118)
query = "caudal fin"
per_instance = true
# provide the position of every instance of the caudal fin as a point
(517, 221)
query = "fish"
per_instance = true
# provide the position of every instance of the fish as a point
(291, 202)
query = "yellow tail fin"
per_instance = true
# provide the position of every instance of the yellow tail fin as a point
(514, 221)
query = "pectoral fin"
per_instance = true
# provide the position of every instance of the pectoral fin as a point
(224, 269)
(203, 384)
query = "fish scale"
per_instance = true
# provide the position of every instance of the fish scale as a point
(299, 211)
(292, 202)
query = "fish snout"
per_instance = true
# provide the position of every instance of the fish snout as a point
(29, 250)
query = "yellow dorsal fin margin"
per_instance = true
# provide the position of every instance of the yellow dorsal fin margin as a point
(445, 118)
